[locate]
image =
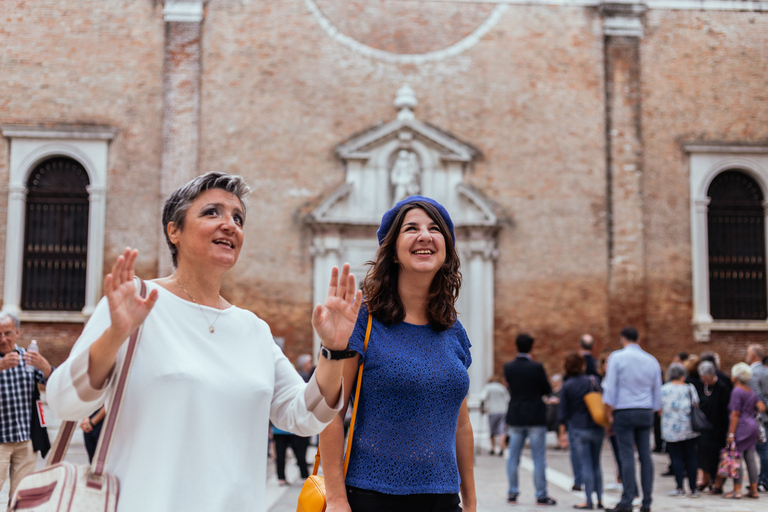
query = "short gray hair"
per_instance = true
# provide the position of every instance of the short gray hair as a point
(7, 314)
(742, 372)
(177, 205)
(675, 371)
(707, 368)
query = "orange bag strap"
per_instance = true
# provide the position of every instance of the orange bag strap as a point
(357, 397)
(354, 408)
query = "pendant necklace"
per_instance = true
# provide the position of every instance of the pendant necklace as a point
(707, 390)
(211, 324)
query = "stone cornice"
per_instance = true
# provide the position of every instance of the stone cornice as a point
(59, 132)
(185, 12)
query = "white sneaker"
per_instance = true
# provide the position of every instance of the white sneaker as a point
(678, 493)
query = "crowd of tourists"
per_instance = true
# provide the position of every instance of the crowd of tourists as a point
(710, 423)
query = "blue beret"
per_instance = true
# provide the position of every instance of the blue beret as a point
(389, 216)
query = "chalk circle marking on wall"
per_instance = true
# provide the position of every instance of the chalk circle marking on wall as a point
(398, 58)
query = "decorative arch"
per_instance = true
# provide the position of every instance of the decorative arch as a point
(29, 147)
(706, 162)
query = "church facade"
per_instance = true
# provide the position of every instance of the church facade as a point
(605, 163)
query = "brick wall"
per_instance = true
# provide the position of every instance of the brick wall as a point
(277, 95)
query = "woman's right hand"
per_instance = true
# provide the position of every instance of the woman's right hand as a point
(338, 506)
(127, 309)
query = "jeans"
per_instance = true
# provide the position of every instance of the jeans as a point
(762, 453)
(684, 463)
(587, 444)
(575, 463)
(538, 438)
(633, 427)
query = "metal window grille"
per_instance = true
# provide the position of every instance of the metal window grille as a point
(737, 283)
(56, 237)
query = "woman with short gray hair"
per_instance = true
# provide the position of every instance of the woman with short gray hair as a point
(207, 376)
(677, 401)
(714, 395)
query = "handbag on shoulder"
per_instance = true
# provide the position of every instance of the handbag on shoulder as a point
(65, 487)
(312, 496)
(595, 406)
(699, 420)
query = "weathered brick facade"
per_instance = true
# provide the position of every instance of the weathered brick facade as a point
(580, 134)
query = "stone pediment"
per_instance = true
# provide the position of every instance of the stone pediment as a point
(403, 157)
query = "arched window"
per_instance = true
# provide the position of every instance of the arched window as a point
(736, 234)
(55, 237)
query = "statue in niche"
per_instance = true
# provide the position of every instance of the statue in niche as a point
(405, 176)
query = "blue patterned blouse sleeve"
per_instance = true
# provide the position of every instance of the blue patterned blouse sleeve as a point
(466, 354)
(357, 340)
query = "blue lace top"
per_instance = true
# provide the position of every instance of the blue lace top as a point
(414, 382)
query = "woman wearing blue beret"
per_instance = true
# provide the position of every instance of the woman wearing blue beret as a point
(412, 447)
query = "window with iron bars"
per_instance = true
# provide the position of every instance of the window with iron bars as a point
(56, 237)
(736, 236)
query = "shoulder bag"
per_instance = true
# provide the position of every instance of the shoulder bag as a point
(65, 487)
(312, 496)
(699, 421)
(595, 406)
(761, 436)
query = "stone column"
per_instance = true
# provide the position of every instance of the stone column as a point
(326, 253)
(623, 29)
(181, 103)
(477, 302)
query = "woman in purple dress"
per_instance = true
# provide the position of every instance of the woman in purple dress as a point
(742, 429)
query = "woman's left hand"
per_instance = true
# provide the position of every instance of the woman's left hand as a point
(335, 319)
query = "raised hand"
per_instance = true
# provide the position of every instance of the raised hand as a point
(334, 320)
(126, 308)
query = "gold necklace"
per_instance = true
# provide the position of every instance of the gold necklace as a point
(211, 324)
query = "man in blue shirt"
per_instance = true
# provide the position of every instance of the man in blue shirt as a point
(632, 394)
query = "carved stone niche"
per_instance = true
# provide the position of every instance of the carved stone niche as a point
(388, 163)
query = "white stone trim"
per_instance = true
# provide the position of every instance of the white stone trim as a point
(29, 146)
(398, 58)
(706, 161)
(626, 26)
(184, 12)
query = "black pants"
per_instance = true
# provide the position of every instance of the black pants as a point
(91, 440)
(299, 447)
(362, 500)
(683, 454)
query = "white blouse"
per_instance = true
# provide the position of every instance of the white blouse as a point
(193, 429)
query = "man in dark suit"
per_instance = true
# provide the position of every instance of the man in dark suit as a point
(527, 417)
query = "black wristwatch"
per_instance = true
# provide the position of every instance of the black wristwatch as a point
(334, 355)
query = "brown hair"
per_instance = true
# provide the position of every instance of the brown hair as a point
(380, 284)
(574, 364)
